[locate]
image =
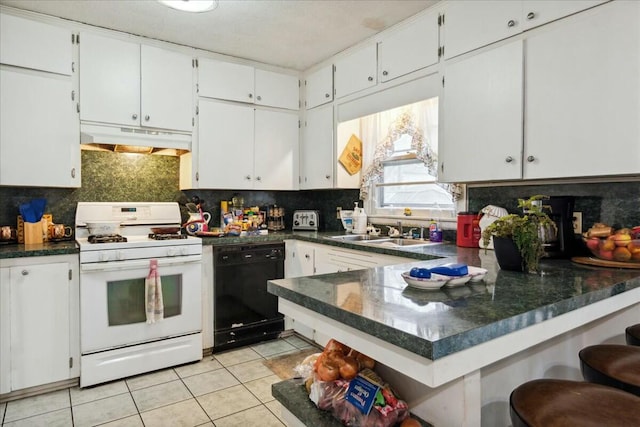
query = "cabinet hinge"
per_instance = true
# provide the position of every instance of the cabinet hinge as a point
(197, 87)
(193, 121)
(77, 38)
(299, 84)
(73, 39)
(440, 20)
(443, 81)
(73, 67)
(70, 274)
(197, 63)
(73, 95)
(298, 124)
(197, 176)
(197, 110)
(71, 362)
(305, 82)
(78, 107)
(442, 167)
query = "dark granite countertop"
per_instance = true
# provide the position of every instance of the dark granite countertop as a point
(434, 324)
(43, 249)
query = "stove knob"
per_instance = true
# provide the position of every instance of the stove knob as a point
(119, 255)
(104, 256)
(296, 222)
(312, 223)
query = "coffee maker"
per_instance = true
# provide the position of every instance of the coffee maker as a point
(560, 210)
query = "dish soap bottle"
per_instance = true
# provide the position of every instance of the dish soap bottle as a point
(359, 220)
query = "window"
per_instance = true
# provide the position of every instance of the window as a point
(400, 149)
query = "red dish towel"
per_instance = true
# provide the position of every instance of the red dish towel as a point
(153, 294)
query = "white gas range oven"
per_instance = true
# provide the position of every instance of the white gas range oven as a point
(117, 337)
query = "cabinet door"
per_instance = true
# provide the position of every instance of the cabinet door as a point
(539, 12)
(166, 89)
(225, 145)
(470, 24)
(36, 45)
(356, 72)
(583, 96)
(299, 261)
(409, 49)
(482, 135)
(225, 80)
(39, 324)
(276, 150)
(319, 87)
(109, 80)
(316, 149)
(277, 90)
(39, 130)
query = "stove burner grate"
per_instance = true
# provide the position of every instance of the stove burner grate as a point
(168, 236)
(106, 238)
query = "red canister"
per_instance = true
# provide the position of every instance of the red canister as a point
(468, 232)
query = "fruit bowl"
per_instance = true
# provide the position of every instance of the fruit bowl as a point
(615, 247)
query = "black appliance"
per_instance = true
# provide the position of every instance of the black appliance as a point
(244, 312)
(560, 210)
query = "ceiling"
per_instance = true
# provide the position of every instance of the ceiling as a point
(288, 33)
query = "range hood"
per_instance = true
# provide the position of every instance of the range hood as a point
(133, 140)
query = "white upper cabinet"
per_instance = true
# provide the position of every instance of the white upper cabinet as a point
(411, 48)
(483, 108)
(255, 149)
(471, 24)
(276, 152)
(225, 80)
(582, 88)
(128, 84)
(39, 132)
(316, 149)
(277, 90)
(319, 87)
(166, 89)
(539, 12)
(244, 83)
(356, 71)
(109, 80)
(36, 45)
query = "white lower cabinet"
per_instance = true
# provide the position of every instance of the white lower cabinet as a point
(39, 321)
(207, 297)
(299, 259)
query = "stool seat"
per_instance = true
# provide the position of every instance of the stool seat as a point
(612, 365)
(556, 403)
(632, 334)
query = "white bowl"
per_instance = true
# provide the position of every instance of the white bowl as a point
(419, 283)
(456, 280)
(103, 228)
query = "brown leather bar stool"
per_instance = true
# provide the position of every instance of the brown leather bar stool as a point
(612, 365)
(632, 334)
(556, 403)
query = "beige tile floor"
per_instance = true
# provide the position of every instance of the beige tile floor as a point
(224, 390)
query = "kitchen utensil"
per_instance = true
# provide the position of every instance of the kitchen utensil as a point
(38, 206)
(165, 230)
(103, 227)
(26, 210)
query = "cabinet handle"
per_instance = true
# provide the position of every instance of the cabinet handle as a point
(531, 159)
(385, 73)
(250, 96)
(146, 118)
(307, 256)
(258, 178)
(73, 172)
(259, 98)
(509, 159)
(134, 116)
(531, 15)
(370, 79)
(248, 177)
(327, 176)
(511, 23)
(25, 272)
(326, 95)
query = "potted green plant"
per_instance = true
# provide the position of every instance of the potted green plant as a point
(519, 239)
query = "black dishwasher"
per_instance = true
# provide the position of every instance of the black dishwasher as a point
(243, 311)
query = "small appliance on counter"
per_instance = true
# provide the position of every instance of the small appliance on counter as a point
(305, 220)
(560, 210)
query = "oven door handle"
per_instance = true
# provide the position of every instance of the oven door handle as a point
(140, 263)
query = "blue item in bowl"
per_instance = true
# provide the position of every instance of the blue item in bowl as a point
(420, 273)
(451, 269)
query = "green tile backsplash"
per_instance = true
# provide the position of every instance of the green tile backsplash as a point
(110, 176)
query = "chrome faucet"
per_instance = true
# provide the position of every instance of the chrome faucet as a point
(399, 224)
(422, 232)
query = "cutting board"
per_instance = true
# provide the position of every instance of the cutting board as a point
(604, 263)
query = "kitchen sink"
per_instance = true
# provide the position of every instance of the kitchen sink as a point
(357, 238)
(401, 242)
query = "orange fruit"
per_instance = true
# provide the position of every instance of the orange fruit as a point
(621, 254)
(621, 239)
(607, 245)
(634, 247)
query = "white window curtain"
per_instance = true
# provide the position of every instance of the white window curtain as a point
(412, 120)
